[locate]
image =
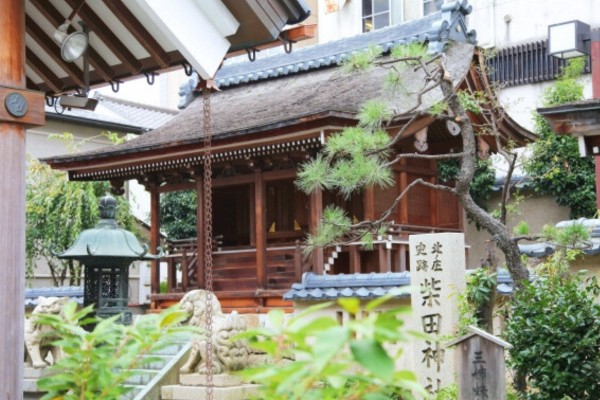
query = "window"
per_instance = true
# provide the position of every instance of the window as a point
(378, 14)
(431, 6)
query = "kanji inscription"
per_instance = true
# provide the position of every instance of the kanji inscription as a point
(437, 265)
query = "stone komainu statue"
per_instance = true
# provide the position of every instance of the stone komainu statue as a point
(228, 355)
(38, 338)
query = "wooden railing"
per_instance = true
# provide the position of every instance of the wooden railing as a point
(392, 249)
(234, 269)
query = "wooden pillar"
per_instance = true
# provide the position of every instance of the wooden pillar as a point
(433, 193)
(403, 207)
(260, 215)
(316, 214)
(155, 238)
(200, 232)
(369, 203)
(385, 258)
(354, 259)
(252, 217)
(12, 204)
(402, 252)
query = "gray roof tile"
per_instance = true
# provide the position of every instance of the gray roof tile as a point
(436, 29)
(365, 286)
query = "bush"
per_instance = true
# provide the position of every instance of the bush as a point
(555, 331)
(331, 361)
(96, 364)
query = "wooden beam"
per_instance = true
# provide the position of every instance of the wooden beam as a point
(104, 33)
(176, 187)
(57, 19)
(155, 239)
(43, 71)
(53, 50)
(31, 85)
(280, 174)
(12, 210)
(35, 115)
(234, 180)
(316, 213)
(200, 231)
(141, 34)
(260, 211)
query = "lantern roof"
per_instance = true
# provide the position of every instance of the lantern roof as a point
(108, 240)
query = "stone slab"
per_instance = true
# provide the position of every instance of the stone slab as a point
(30, 386)
(221, 380)
(35, 373)
(178, 392)
(437, 268)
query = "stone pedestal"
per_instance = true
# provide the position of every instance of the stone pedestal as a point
(31, 376)
(437, 269)
(225, 387)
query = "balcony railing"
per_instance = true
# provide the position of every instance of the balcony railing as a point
(525, 64)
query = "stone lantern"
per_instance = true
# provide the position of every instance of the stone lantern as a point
(106, 253)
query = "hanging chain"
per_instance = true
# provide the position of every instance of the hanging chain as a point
(208, 241)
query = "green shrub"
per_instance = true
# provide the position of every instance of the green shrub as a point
(96, 364)
(332, 361)
(555, 331)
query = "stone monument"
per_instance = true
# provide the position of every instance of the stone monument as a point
(228, 355)
(437, 270)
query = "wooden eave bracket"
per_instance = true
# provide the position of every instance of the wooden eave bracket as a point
(28, 102)
(295, 34)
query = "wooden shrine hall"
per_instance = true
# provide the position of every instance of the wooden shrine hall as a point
(271, 116)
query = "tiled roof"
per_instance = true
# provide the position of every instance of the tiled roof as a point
(74, 292)
(436, 29)
(112, 110)
(545, 249)
(276, 103)
(364, 286)
(147, 116)
(89, 115)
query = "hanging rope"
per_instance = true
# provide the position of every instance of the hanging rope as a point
(208, 240)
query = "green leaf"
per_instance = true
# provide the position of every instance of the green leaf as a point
(327, 344)
(371, 355)
(350, 304)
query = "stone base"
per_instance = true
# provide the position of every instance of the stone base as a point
(221, 380)
(35, 373)
(178, 392)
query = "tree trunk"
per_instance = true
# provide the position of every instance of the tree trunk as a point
(498, 230)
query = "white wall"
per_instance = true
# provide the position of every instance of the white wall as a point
(528, 19)
(344, 23)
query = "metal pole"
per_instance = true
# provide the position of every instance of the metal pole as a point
(12, 205)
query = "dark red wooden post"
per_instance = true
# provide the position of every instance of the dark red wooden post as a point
(260, 212)
(155, 239)
(13, 120)
(316, 213)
